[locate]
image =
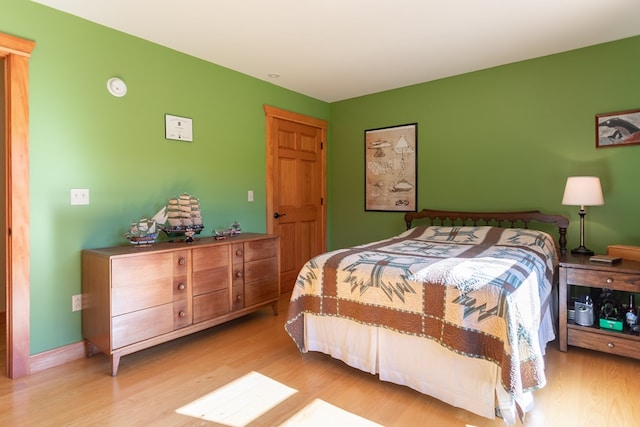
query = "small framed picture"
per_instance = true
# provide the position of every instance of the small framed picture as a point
(616, 129)
(391, 168)
(178, 128)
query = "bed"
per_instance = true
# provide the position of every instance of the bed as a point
(459, 307)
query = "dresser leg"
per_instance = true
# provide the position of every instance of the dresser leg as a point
(115, 363)
(274, 307)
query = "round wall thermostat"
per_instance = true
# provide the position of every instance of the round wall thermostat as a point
(117, 87)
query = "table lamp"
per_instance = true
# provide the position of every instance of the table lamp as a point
(582, 191)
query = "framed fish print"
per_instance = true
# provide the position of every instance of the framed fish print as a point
(391, 168)
(616, 129)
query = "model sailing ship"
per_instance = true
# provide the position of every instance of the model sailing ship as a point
(181, 216)
(142, 232)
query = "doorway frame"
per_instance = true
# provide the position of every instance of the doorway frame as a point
(16, 53)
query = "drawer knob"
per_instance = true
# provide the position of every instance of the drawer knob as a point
(181, 261)
(182, 313)
(238, 273)
(609, 281)
(239, 252)
(611, 345)
(181, 286)
(238, 297)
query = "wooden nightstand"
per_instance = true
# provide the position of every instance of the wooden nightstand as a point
(579, 271)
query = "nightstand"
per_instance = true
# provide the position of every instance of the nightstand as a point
(579, 271)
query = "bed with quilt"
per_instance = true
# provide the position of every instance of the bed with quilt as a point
(460, 308)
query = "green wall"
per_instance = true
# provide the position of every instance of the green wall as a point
(501, 139)
(82, 137)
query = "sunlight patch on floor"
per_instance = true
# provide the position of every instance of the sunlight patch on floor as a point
(245, 399)
(321, 414)
(239, 402)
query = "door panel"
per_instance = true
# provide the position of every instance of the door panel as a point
(296, 188)
(287, 246)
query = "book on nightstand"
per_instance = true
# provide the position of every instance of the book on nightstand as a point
(606, 259)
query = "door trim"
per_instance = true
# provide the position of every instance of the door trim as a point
(16, 53)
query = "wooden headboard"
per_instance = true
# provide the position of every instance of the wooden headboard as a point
(520, 219)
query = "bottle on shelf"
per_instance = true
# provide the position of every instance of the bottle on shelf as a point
(631, 316)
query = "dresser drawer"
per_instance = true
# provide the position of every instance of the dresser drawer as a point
(237, 297)
(238, 253)
(141, 325)
(604, 279)
(237, 275)
(214, 279)
(259, 270)
(260, 291)
(208, 306)
(181, 314)
(261, 281)
(180, 288)
(210, 257)
(130, 271)
(210, 269)
(607, 343)
(260, 249)
(141, 281)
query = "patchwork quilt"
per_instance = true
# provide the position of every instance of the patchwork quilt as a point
(478, 291)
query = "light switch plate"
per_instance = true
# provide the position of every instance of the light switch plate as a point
(79, 196)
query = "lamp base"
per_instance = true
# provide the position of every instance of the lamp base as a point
(581, 251)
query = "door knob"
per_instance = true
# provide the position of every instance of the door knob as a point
(278, 215)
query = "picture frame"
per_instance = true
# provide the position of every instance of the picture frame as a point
(178, 128)
(391, 168)
(617, 129)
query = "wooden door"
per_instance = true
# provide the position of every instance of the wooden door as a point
(296, 188)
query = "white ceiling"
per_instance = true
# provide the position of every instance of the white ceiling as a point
(338, 49)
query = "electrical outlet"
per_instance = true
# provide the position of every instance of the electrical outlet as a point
(76, 302)
(79, 196)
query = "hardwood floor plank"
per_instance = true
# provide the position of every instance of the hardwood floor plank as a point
(583, 387)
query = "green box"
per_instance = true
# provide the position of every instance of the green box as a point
(613, 324)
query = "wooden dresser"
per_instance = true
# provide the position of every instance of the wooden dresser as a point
(138, 297)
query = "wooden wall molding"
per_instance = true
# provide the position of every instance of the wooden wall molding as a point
(16, 52)
(57, 356)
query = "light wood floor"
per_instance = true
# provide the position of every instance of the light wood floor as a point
(584, 388)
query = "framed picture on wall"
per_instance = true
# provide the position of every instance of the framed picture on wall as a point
(178, 128)
(616, 129)
(391, 168)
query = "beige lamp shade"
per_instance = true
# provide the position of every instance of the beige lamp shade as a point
(583, 191)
